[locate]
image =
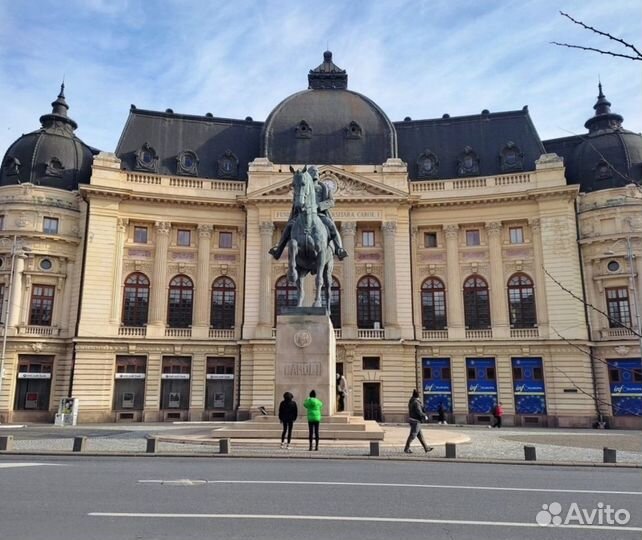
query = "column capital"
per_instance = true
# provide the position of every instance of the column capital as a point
(494, 228)
(348, 228)
(122, 224)
(452, 231)
(163, 227)
(240, 231)
(389, 227)
(266, 227)
(535, 224)
(205, 231)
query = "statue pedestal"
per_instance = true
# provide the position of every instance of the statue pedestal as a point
(305, 358)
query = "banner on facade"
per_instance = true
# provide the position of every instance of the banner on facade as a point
(436, 384)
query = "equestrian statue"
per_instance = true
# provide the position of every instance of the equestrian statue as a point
(309, 235)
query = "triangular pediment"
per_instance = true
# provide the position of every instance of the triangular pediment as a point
(344, 186)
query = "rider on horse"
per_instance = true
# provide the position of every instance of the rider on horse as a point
(324, 202)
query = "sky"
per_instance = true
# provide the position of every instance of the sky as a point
(241, 58)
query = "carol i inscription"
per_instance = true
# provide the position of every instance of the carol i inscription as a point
(302, 369)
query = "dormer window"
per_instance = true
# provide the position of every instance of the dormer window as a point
(511, 158)
(603, 170)
(54, 167)
(11, 166)
(146, 158)
(427, 165)
(353, 131)
(303, 130)
(228, 165)
(468, 163)
(187, 163)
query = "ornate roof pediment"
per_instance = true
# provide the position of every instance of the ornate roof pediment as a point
(343, 185)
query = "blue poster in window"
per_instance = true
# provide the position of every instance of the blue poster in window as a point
(625, 378)
(436, 384)
(482, 385)
(528, 385)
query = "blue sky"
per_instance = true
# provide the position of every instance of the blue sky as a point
(241, 58)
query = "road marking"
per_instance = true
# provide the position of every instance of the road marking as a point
(361, 519)
(27, 464)
(377, 484)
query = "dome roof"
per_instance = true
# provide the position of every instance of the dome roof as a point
(51, 156)
(609, 155)
(328, 124)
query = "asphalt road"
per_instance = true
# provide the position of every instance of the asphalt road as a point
(73, 498)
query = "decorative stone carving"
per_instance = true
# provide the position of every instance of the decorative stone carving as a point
(146, 158)
(228, 165)
(302, 339)
(54, 168)
(494, 228)
(511, 158)
(303, 130)
(427, 164)
(205, 231)
(266, 227)
(389, 227)
(187, 163)
(122, 224)
(452, 231)
(163, 227)
(348, 228)
(468, 163)
(353, 130)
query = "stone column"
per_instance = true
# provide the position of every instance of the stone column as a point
(498, 298)
(202, 300)
(158, 300)
(117, 280)
(390, 323)
(349, 285)
(454, 286)
(14, 309)
(264, 328)
(540, 279)
(67, 316)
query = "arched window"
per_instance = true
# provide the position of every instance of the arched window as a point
(285, 295)
(335, 302)
(179, 306)
(223, 303)
(476, 304)
(136, 300)
(521, 302)
(368, 302)
(433, 304)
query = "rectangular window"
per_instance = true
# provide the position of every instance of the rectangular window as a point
(517, 373)
(183, 237)
(617, 302)
(33, 387)
(219, 392)
(368, 238)
(430, 240)
(427, 373)
(516, 235)
(140, 235)
(41, 308)
(1, 223)
(371, 362)
(175, 382)
(129, 383)
(472, 237)
(225, 239)
(471, 373)
(50, 225)
(445, 373)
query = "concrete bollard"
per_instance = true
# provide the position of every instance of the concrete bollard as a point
(451, 450)
(610, 455)
(6, 443)
(152, 445)
(80, 443)
(530, 454)
(225, 446)
(375, 448)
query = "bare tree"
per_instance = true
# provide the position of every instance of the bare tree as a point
(636, 56)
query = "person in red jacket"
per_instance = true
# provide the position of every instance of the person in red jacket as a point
(498, 412)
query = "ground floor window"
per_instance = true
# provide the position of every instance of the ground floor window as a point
(625, 381)
(34, 383)
(482, 385)
(436, 384)
(129, 383)
(219, 392)
(528, 384)
(175, 382)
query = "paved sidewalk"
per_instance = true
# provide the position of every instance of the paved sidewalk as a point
(473, 442)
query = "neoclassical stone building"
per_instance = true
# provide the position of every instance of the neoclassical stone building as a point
(485, 264)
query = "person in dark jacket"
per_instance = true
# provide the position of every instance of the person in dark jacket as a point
(416, 415)
(287, 415)
(441, 412)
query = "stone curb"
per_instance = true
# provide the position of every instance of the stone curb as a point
(241, 455)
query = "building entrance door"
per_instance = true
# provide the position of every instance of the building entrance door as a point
(372, 401)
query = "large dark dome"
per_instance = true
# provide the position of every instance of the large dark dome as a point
(328, 124)
(52, 156)
(609, 155)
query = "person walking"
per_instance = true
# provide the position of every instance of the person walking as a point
(314, 407)
(416, 415)
(498, 412)
(441, 414)
(287, 415)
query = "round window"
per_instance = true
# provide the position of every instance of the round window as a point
(613, 266)
(45, 264)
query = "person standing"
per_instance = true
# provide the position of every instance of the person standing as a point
(314, 407)
(441, 414)
(287, 415)
(416, 415)
(498, 412)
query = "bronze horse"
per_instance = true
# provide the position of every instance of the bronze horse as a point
(309, 250)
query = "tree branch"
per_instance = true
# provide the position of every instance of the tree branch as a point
(597, 50)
